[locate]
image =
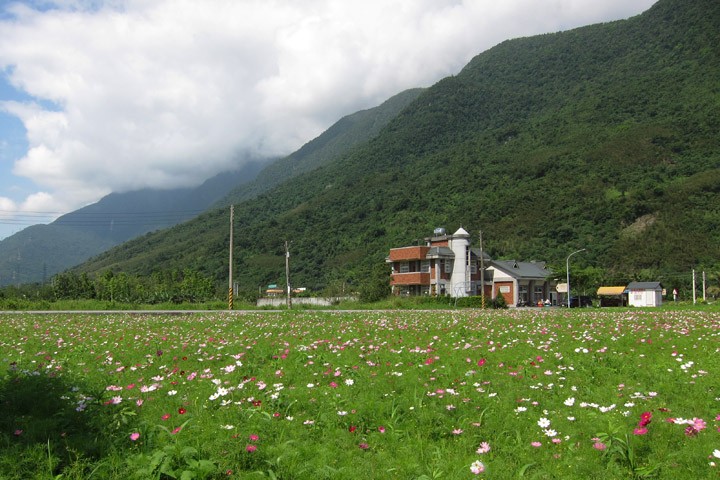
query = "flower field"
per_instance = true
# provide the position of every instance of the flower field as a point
(540, 393)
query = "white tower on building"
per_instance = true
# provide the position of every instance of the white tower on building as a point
(459, 243)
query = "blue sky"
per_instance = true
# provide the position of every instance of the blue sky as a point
(100, 96)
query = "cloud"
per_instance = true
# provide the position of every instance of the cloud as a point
(165, 93)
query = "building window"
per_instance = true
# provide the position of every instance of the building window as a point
(538, 294)
(404, 267)
(425, 266)
(448, 266)
(473, 268)
(523, 293)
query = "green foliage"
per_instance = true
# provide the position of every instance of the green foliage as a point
(188, 286)
(385, 394)
(376, 285)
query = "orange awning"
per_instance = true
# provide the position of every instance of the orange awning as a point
(610, 290)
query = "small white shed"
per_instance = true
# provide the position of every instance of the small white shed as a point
(644, 294)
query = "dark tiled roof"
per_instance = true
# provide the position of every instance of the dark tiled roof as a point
(644, 286)
(523, 269)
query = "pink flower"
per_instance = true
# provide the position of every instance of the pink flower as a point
(364, 446)
(477, 467)
(640, 431)
(457, 431)
(381, 429)
(254, 438)
(699, 424)
(250, 448)
(166, 416)
(599, 446)
(134, 436)
(483, 448)
(645, 419)
(17, 432)
(481, 362)
(536, 444)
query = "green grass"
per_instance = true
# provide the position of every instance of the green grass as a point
(392, 394)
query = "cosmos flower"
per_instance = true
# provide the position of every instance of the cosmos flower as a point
(483, 448)
(477, 467)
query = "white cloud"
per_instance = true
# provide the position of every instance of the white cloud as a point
(165, 93)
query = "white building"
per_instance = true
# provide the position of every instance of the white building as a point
(644, 294)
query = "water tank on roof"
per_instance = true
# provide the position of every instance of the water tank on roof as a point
(439, 231)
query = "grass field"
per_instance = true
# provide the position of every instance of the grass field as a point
(541, 393)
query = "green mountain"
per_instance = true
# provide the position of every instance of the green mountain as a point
(603, 137)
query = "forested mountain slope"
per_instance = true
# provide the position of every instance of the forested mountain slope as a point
(603, 137)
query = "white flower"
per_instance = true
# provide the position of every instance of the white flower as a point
(342, 413)
(550, 432)
(570, 401)
(172, 392)
(716, 453)
(349, 381)
(543, 423)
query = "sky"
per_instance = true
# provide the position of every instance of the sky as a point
(101, 96)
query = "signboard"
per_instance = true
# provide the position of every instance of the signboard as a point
(504, 289)
(561, 288)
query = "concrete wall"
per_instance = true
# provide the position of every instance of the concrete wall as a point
(319, 302)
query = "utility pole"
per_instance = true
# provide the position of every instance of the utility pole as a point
(230, 262)
(694, 294)
(704, 298)
(482, 272)
(287, 273)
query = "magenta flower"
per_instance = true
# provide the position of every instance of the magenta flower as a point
(250, 448)
(640, 431)
(134, 436)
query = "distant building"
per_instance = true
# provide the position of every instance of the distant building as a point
(448, 265)
(644, 294)
(522, 283)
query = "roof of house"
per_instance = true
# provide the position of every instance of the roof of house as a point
(644, 286)
(523, 269)
(476, 252)
(611, 290)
